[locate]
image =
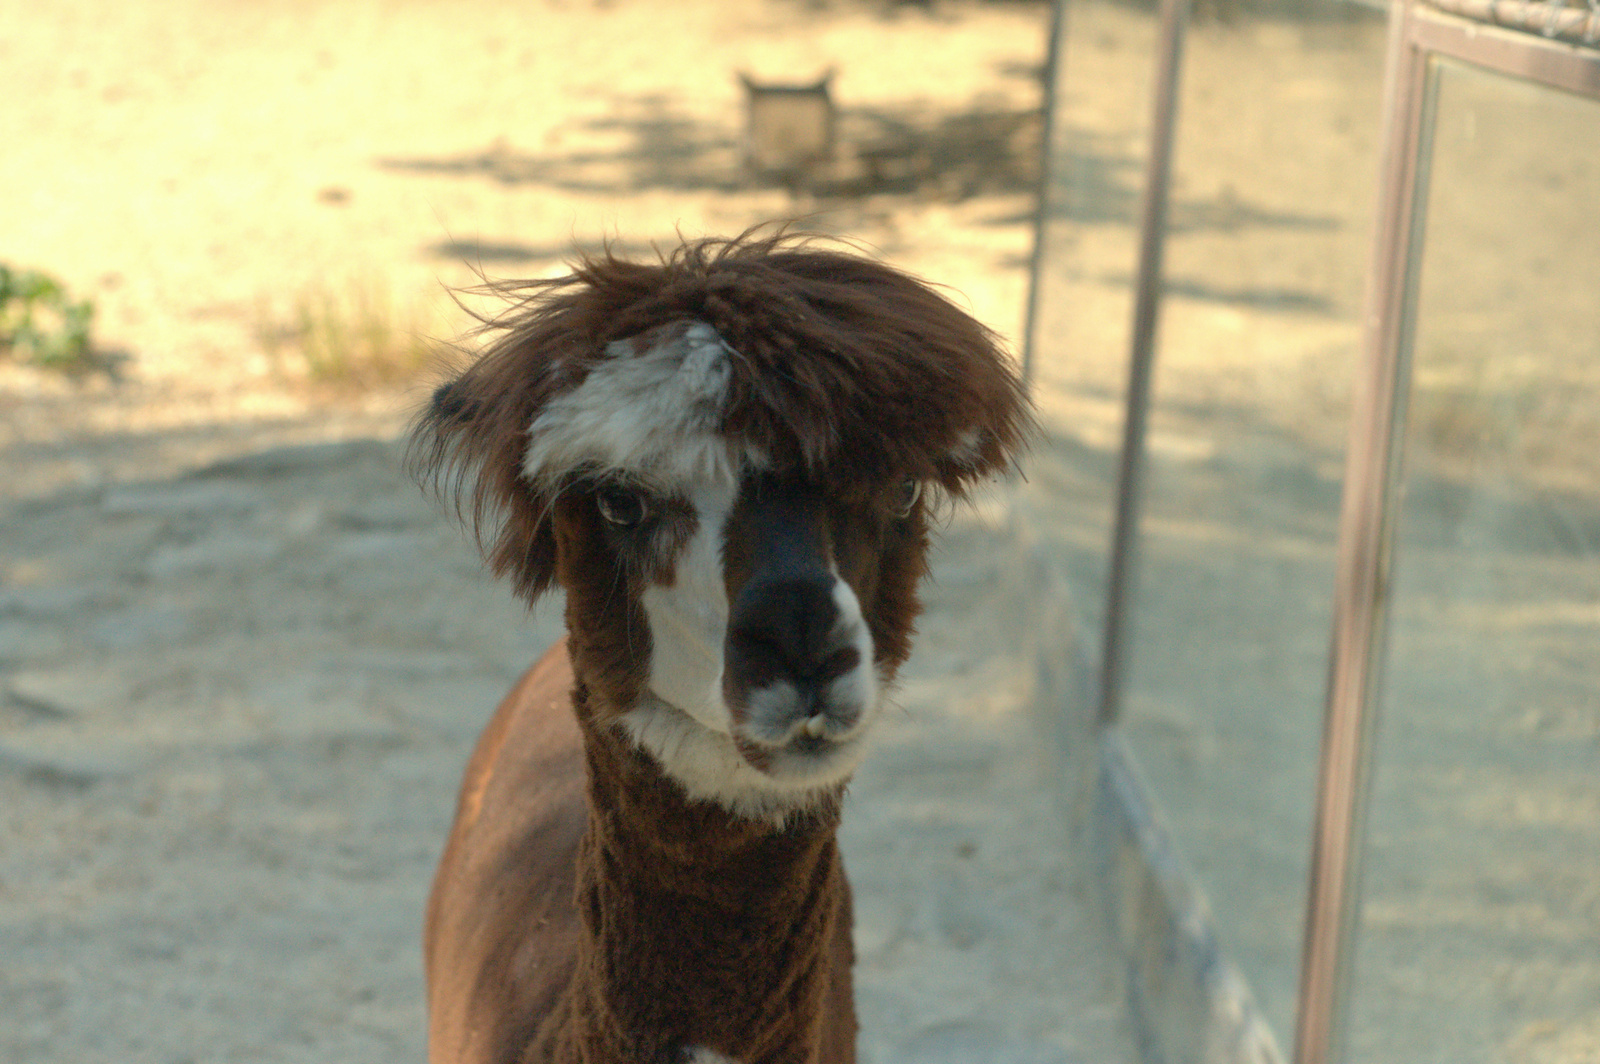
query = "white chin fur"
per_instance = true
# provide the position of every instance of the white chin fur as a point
(709, 767)
(862, 684)
(689, 620)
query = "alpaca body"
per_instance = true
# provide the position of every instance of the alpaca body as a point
(721, 460)
(681, 926)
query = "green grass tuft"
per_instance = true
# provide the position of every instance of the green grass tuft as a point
(40, 324)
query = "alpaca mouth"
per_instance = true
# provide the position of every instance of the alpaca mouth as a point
(813, 744)
(810, 744)
(815, 750)
(804, 760)
(799, 715)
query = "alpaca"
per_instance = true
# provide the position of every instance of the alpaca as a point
(724, 460)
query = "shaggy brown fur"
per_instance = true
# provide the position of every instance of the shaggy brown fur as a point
(586, 909)
(847, 366)
(666, 949)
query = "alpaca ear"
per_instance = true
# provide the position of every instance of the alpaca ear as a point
(467, 445)
(1000, 426)
(981, 453)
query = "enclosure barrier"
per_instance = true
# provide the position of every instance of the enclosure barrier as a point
(1186, 1001)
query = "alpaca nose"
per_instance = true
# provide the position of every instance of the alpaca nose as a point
(784, 629)
(796, 655)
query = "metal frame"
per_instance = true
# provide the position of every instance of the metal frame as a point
(1142, 356)
(1366, 525)
(1518, 54)
(1418, 36)
(1041, 216)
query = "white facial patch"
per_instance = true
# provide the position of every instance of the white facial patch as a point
(653, 413)
(689, 620)
(685, 722)
(860, 686)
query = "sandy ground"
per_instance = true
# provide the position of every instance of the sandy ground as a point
(237, 710)
(242, 659)
(197, 167)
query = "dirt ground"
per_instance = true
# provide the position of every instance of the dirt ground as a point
(238, 703)
(242, 658)
(197, 167)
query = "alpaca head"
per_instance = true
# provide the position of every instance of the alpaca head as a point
(725, 460)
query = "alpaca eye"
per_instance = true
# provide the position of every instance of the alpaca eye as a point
(621, 506)
(906, 498)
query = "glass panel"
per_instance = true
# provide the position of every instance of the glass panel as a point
(1084, 302)
(1480, 935)
(1271, 218)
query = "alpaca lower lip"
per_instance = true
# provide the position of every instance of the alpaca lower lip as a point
(800, 754)
(810, 744)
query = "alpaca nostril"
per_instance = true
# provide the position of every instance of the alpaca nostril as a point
(836, 665)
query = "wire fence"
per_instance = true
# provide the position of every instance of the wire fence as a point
(1573, 21)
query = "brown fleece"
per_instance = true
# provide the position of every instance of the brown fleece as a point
(702, 929)
(637, 928)
(500, 942)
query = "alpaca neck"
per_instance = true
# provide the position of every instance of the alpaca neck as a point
(701, 928)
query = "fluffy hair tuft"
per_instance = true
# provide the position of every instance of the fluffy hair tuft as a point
(843, 367)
